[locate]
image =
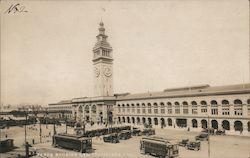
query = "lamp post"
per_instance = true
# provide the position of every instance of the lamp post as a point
(25, 130)
(54, 125)
(66, 126)
(208, 139)
(40, 125)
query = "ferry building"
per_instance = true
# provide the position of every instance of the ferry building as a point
(196, 107)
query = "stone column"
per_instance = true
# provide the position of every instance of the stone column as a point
(219, 110)
(231, 110)
(244, 110)
(199, 110)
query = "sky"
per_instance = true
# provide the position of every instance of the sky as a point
(46, 52)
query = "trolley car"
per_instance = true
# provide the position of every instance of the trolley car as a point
(73, 142)
(158, 147)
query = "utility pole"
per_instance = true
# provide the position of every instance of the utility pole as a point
(25, 130)
(54, 126)
(40, 132)
(208, 140)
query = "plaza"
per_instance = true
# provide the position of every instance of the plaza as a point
(227, 146)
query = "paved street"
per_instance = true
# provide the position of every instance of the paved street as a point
(225, 146)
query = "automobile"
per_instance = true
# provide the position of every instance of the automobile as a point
(147, 131)
(193, 145)
(125, 134)
(208, 130)
(220, 132)
(183, 142)
(202, 137)
(111, 138)
(136, 132)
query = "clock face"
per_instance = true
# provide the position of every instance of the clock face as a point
(107, 71)
(97, 72)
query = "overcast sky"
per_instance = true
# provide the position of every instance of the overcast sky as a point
(46, 53)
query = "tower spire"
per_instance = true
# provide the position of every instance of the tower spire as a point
(101, 28)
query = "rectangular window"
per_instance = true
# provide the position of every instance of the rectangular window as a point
(143, 111)
(194, 111)
(238, 110)
(214, 111)
(177, 111)
(149, 111)
(185, 111)
(170, 111)
(156, 111)
(162, 111)
(248, 110)
(133, 110)
(138, 111)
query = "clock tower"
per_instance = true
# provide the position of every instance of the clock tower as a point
(103, 65)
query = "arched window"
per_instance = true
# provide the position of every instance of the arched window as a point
(193, 103)
(128, 108)
(119, 108)
(213, 102)
(176, 103)
(93, 109)
(123, 108)
(184, 103)
(169, 107)
(149, 108)
(225, 102)
(238, 110)
(87, 109)
(203, 102)
(203, 106)
(143, 108)
(194, 107)
(214, 107)
(155, 108)
(138, 108)
(185, 107)
(162, 108)
(225, 107)
(177, 107)
(238, 102)
(133, 108)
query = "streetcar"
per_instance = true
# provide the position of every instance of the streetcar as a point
(73, 142)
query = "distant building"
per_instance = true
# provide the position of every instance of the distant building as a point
(196, 107)
(62, 109)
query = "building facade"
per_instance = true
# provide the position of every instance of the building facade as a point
(196, 107)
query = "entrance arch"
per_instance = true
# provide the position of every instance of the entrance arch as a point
(143, 120)
(214, 124)
(170, 122)
(204, 124)
(156, 121)
(162, 123)
(149, 121)
(138, 120)
(238, 126)
(133, 120)
(225, 125)
(128, 120)
(194, 123)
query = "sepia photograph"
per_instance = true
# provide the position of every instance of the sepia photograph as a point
(125, 79)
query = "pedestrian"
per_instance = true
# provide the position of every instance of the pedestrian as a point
(241, 130)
